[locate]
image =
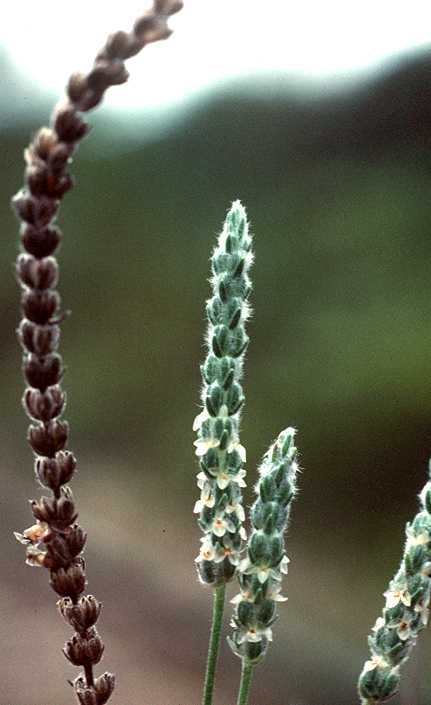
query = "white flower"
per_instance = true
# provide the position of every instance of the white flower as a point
(403, 630)
(254, 635)
(223, 479)
(203, 445)
(263, 571)
(393, 597)
(236, 445)
(380, 622)
(221, 523)
(200, 419)
(413, 539)
(35, 557)
(208, 552)
(204, 416)
(33, 534)
(229, 552)
(375, 662)
(248, 568)
(238, 509)
(207, 498)
(243, 533)
(245, 596)
(422, 608)
(274, 594)
(284, 563)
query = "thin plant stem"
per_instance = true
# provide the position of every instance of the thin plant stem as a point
(214, 643)
(244, 686)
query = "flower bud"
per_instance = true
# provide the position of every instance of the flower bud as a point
(70, 581)
(69, 125)
(84, 648)
(40, 241)
(37, 273)
(39, 306)
(43, 372)
(40, 340)
(44, 406)
(54, 472)
(48, 439)
(80, 616)
(56, 512)
(104, 687)
(38, 212)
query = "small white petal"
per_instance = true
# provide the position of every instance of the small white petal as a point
(230, 526)
(375, 662)
(201, 478)
(242, 452)
(262, 575)
(223, 481)
(203, 445)
(199, 420)
(284, 565)
(237, 599)
(254, 637)
(218, 527)
(380, 622)
(234, 558)
(279, 598)
(21, 538)
(245, 563)
(391, 599)
(239, 509)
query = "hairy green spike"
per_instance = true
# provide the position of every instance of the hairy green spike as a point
(221, 455)
(260, 573)
(406, 611)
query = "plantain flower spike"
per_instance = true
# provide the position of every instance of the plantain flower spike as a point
(405, 613)
(221, 455)
(261, 572)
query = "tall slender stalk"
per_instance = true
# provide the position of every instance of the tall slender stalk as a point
(221, 455)
(245, 682)
(56, 542)
(214, 643)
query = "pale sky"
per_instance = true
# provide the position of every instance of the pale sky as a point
(213, 40)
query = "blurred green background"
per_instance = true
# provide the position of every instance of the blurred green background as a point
(337, 188)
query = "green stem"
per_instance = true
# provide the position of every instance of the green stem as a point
(244, 686)
(217, 619)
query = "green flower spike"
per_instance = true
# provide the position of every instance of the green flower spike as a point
(260, 573)
(405, 613)
(218, 448)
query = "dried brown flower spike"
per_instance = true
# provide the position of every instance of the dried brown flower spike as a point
(56, 541)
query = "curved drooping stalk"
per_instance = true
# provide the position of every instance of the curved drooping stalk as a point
(56, 541)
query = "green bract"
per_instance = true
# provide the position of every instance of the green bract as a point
(221, 456)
